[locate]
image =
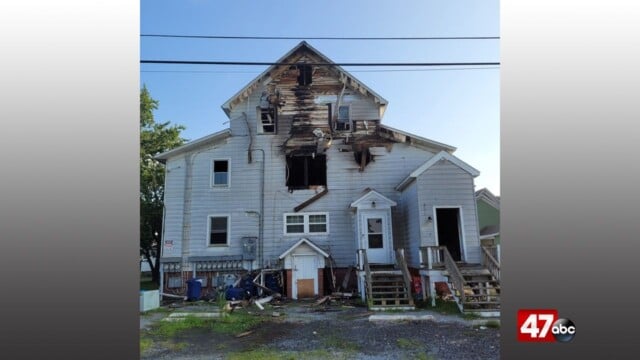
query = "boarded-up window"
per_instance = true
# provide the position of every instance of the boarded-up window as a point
(218, 230)
(220, 173)
(304, 171)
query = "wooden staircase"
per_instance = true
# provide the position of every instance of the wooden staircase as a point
(388, 287)
(474, 287)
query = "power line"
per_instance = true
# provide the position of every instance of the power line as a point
(354, 71)
(320, 37)
(249, 63)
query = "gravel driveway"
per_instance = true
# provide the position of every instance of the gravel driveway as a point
(336, 332)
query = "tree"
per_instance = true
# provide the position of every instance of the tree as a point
(155, 138)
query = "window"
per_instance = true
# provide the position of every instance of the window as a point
(374, 233)
(267, 120)
(310, 223)
(220, 176)
(344, 118)
(304, 74)
(305, 171)
(218, 230)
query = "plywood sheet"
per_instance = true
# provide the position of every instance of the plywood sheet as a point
(305, 288)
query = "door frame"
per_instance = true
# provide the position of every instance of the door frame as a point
(294, 272)
(463, 248)
(387, 234)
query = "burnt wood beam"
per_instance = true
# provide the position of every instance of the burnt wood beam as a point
(311, 200)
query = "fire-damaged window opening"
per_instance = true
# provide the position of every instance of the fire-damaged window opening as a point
(358, 156)
(304, 76)
(343, 123)
(305, 171)
(267, 120)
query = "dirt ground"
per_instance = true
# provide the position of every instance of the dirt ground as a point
(304, 331)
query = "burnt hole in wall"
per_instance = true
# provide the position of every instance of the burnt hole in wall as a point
(304, 74)
(358, 155)
(306, 171)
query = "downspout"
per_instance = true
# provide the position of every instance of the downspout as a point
(261, 218)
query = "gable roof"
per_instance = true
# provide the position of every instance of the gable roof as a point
(369, 194)
(488, 197)
(303, 45)
(442, 155)
(206, 140)
(303, 241)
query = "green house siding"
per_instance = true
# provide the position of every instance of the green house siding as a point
(488, 215)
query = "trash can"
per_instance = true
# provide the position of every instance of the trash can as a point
(194, 287)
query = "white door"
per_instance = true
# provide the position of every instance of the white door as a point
(305, 276)
(375, 234)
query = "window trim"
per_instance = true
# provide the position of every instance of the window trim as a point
(212, 174)
(306, 216)
(349, 121)
(208, 237)
(260, 126)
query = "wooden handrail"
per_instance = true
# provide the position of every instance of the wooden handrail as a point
(402, 265)
(491, 263)
(367, 271)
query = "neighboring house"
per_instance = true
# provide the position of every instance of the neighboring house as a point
(307, 177)
(488, 216)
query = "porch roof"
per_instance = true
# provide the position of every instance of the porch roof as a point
(300, 242)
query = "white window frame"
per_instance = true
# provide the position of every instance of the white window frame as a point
(260, 129)
(212, 180)
(306, 223)
(208, 237)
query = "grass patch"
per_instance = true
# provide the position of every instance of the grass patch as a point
(338, 343)
(269, 354)
(160, 310)
(145, 344)
(492, 324)
(147, 284)
(171, 328)
(423, 356)
(443, 307)
(471, 316)
(408, 343)
(236, 323)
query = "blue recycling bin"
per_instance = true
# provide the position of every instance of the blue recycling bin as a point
(194, 288)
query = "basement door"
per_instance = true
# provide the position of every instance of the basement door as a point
(305, 277)
(376, 236)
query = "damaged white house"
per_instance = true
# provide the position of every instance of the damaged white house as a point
(308, 181)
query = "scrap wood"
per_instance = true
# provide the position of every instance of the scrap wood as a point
(245, 333)
(322, 300)
(275, 293)
(347, 277)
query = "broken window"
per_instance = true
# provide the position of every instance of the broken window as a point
(267, 114)
(304, 74)
(343, 122)
(218, 230)
(309, 223)
(374, 233)
(220, 176)
(305, 171)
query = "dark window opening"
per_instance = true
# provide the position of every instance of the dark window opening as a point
(220, 173)
(218, 231)
(304, 76)
(304, 171)
(343, 122)
(268, 119)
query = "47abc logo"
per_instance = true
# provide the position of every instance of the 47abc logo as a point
(543, 325)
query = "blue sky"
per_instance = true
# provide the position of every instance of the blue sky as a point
(456, 107)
